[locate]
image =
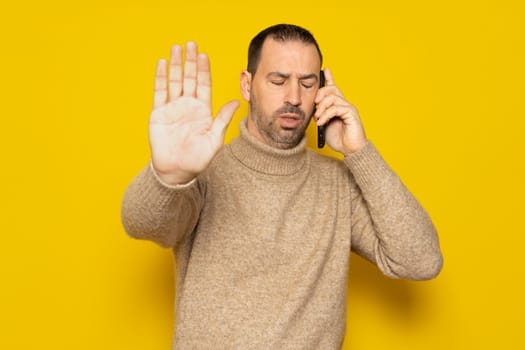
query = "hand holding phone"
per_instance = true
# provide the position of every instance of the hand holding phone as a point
(340, 115)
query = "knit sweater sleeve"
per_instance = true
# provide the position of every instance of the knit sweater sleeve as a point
(158, 212)
(389, 226)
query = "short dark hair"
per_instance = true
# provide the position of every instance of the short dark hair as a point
(278, 32)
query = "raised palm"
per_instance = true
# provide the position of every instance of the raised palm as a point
(184, 136)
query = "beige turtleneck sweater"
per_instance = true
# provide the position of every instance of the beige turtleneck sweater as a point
(262, 241)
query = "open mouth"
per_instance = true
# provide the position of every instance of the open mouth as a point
(289, 120)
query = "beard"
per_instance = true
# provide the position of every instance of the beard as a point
(270, 129)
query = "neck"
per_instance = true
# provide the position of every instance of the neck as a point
(257, 155)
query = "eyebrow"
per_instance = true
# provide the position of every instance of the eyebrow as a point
(285, 76)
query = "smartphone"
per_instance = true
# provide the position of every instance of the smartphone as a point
(321, 129)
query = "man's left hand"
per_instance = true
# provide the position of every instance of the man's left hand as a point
(345, 132)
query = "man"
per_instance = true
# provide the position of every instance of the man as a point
(262, 228)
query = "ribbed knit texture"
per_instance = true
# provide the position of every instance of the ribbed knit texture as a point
(262, 241)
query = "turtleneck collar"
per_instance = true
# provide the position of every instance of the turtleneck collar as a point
(262, 158)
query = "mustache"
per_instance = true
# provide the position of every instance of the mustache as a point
(288, 108)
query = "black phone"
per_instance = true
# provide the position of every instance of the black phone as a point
(321, 129)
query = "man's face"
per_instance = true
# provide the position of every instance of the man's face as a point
(282, 92)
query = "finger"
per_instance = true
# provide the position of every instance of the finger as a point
(342, 112)
(175, 74)
(329, 100)
(329, 89)
(323, 103)
(190, 70)
(203, 78)
(224, 117)
(329, 80)
(161, 92)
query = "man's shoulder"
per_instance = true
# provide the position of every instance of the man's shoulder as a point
(221, 162)
(323, 160)
(327, 164)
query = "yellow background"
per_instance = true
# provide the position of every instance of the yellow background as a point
(439, 86)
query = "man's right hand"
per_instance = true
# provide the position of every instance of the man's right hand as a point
(183, 135)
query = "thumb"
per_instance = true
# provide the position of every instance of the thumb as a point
(224, 117)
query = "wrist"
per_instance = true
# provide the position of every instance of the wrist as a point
(354, 147)
(172, 178)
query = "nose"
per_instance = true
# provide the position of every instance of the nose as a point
(293, 94)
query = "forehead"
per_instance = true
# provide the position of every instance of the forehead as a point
(289, 56)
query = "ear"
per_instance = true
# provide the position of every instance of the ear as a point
(246, 83)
